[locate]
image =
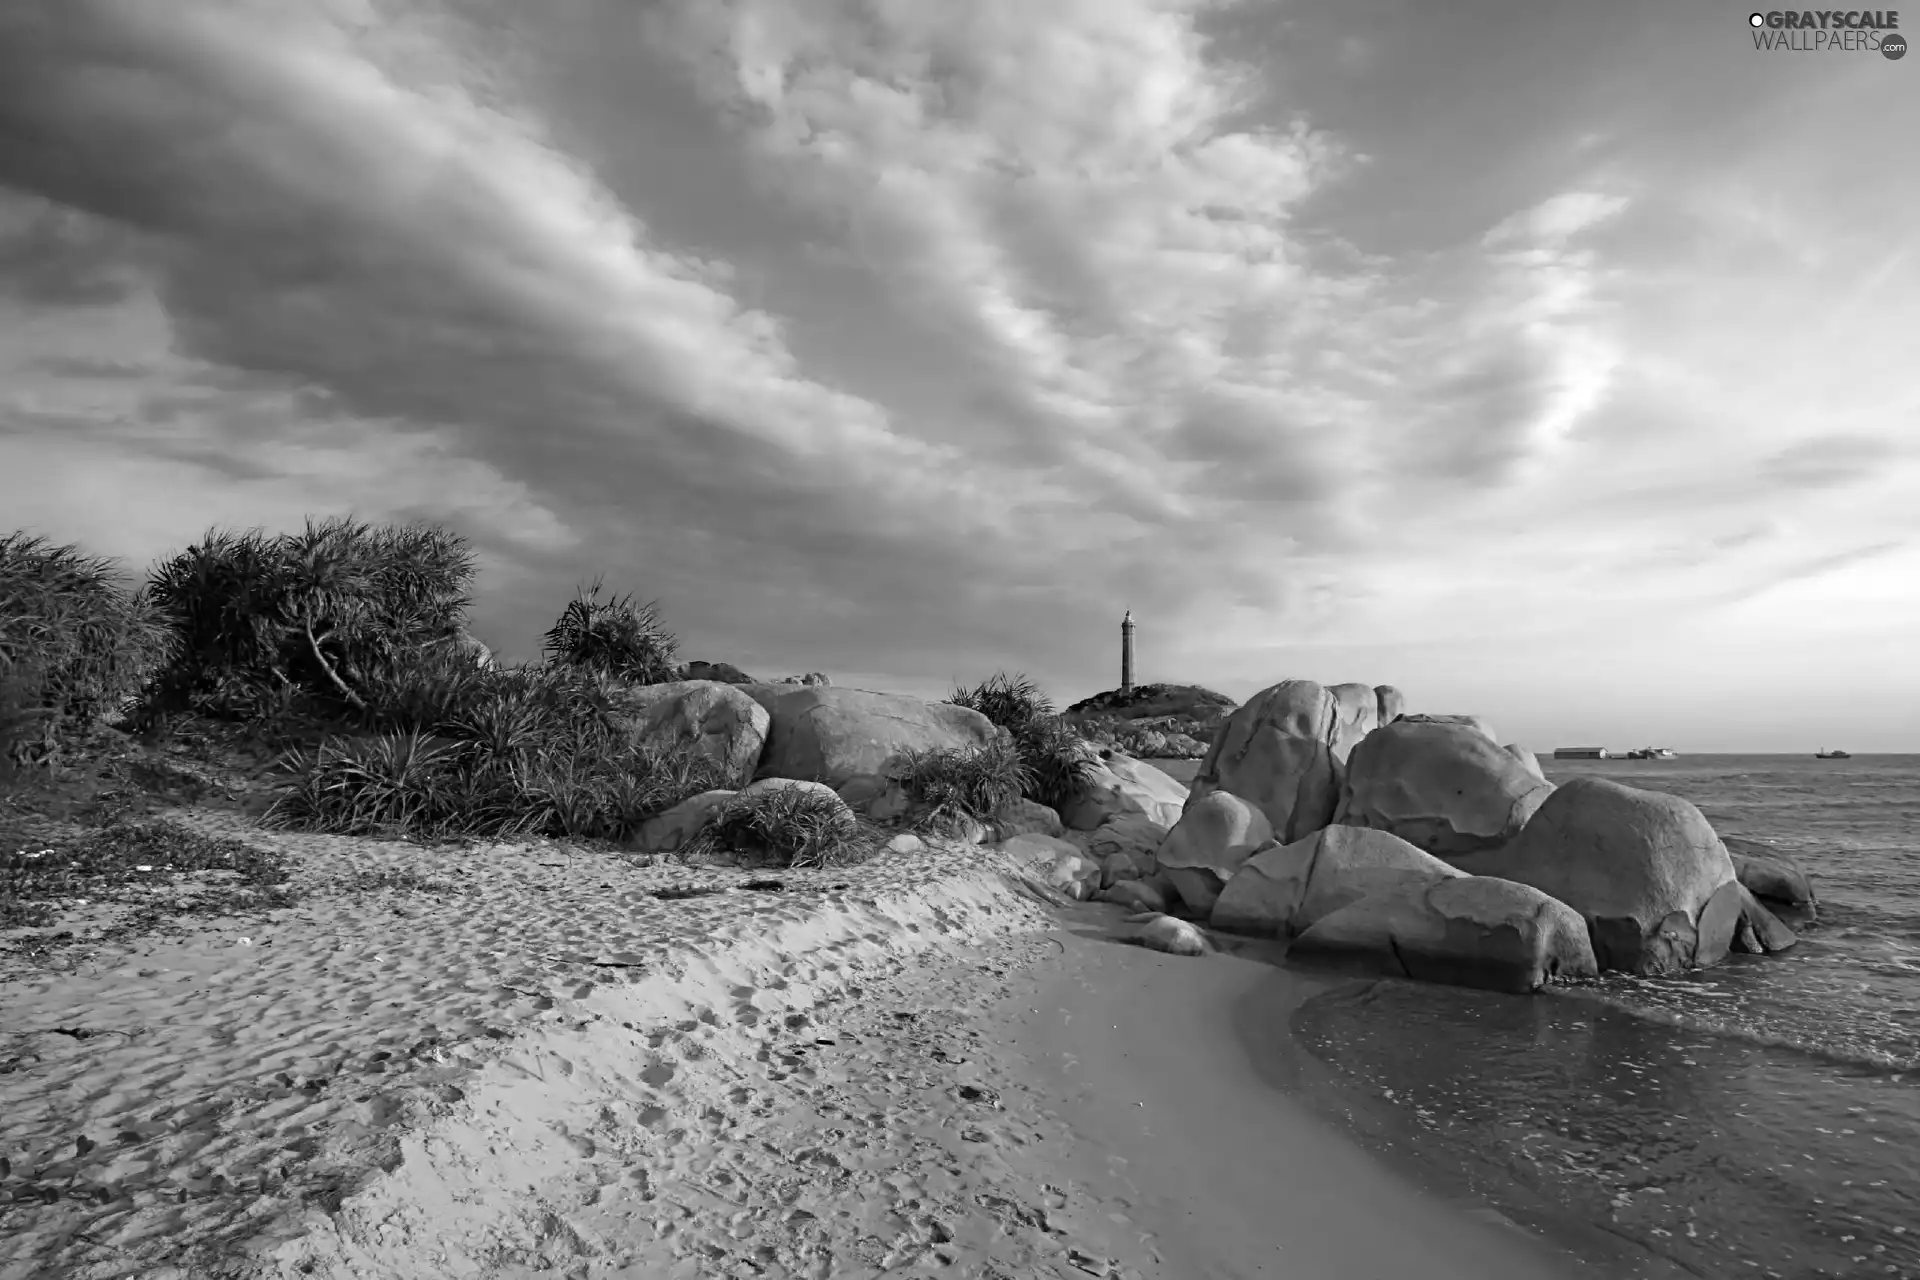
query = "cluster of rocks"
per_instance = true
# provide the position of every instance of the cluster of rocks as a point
(1418, 845)
(1326, 816)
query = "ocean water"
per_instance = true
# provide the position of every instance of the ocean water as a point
(1757, 1119)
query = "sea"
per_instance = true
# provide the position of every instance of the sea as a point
(1761, 1118)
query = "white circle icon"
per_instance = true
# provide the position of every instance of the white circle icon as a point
(1756, 19)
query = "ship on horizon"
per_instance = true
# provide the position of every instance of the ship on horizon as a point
(1835, 754)
(1649, 753)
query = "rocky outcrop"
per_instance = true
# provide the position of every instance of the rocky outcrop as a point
(1060, 865)
(1286, 752)
(1644, 869)
(1477, 723)
(1134, 835)
(1284, 890)
(1389, 703)
(814, 678)
(1442, 784)
(1120, 785)
(833, 735)
(704, 717)
(1208, 845)
(1468, 931)
(1019, 817)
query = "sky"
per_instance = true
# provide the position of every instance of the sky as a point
(1550, 361)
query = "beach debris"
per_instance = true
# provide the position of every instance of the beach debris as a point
(979, 1093)
(766, 886)
(674, 893)
(1163, 932)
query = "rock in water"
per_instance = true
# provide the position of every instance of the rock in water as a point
(1165, 933)
(1469, 931)
(1441, 784)
(1644, 868)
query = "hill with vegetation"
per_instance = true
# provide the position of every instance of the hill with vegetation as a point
(1153, 720)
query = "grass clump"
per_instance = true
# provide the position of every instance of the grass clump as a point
(948, 785)
(784, 826)
(75, 644)
(1055, 765)
(616, 637)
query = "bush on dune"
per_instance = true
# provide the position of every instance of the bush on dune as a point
(1056, 767)
(784, 826)
(75, 644)
(951, 784)
(616, 636)
(267, 624)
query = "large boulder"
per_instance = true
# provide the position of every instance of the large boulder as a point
(1118, 785)
(1644, 869)
(1477, 723)
(825, 733)
(704, 717)
(1209, 843)
(1286, 752)
(1439, 783)
(1389, 703)
(1284, 890)
(1469, 931)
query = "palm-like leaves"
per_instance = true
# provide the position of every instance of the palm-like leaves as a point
(616, 636)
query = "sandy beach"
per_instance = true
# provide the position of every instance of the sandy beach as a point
(524, 1061)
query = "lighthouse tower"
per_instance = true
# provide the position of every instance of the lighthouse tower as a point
(1126, 654)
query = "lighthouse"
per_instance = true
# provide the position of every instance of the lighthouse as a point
(1126, 655)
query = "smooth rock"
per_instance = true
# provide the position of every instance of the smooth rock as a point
(1284, 890)
(1165, 933)
(830, 734)
(1286, 750)
(704, 717)
(1645, 869)
(670, 830)
(1441, 784)
(1217, 833)
(1470, 931)
(1121, 785)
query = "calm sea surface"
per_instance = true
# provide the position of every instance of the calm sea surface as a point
(1757, 1119)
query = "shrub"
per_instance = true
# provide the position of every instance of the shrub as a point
(75, 644)
(318, 616)
(1010, 701)
(616, 637)
(787, 826)
(1056, 766)
(951, 783)
(468, 751)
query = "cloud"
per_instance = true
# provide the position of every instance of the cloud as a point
(1830, 461)
(918, 336)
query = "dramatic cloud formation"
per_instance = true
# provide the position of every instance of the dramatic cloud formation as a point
(1547, 364)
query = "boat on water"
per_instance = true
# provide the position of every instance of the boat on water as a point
(1833, 755)
(1649, 753)
(1581, 753)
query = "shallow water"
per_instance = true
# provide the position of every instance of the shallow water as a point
(1761, 1118)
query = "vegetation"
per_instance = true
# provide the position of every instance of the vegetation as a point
(75, 643)
(1055, 766)
(615, 637)
(786, 826)
(340, 651)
